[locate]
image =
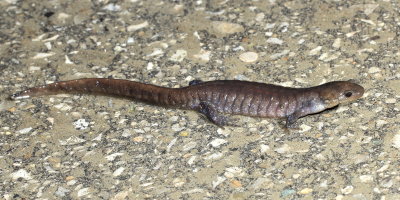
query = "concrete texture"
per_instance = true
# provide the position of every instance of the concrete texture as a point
(82, 146)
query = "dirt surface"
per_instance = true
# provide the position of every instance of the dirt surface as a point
(83, 146)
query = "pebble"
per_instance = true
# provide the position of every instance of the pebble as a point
(179, 55)
(189, 146)
(203, 55)
(264, 148)
(390, 100)
(68, 61)
(118, 171)
(219, 180)
(396, 141)
(283, 149)
(304, 128)
(306, 191)
(169, 146)
(226, 27)
(112, 157)
(61, 192)
(112, 7)
(248, 57)
(21, 173)
(287, 192)
(25, 130)
(236, 184)
(347, 190)
(121, 195)
(315, 51)
(280, 54)
(81, 124)
(178, 182)
(366, 178)
(34, 68)
(83, 192)
(217, 142)
(43, 55)
(380, 123)
(136, 27)
(374, 70)
(336, 44)
(138, 139)
(275, 41)
(73, 140)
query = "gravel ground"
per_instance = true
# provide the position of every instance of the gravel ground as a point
(85, 146)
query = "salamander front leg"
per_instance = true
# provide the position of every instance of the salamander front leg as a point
(291, 121)
(213, 115)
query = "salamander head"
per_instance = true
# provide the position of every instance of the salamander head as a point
(337, 92)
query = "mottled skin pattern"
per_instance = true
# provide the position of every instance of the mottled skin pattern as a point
(216, 98)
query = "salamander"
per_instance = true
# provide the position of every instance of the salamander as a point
(216, 99)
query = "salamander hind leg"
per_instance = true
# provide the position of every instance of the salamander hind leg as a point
(195, 82)
(213, 115)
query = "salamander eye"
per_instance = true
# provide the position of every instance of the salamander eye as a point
(348, 94)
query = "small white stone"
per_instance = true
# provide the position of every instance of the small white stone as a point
(191, 160)
(25, 130)
(73, 140)
(315, 51)
(269, 34)
(156, 52)
(178, 182)
(189, 146)
(219, 180)
(214, 156)
(342, 109)
(380, 123)
(203, 55)
(280, 54)
(113, 156)
(177, 128)
(366, 178)
(217, 142)
(171, 144)
(248, 57)
(260, 17)
(373, 70)
(112, 7)
(81, 124)
(136, 27)
(43, 55)
(351, 34)
(67, 60)
(118, 171)
(347, 190)
(369, 8)
(336, 44)
(396, 141)
(130, 40)
(226, 27)
(304, 128)
(83, 192)
(22, 173)
(275, 41)
(390, 100)
(179, 55)
(264, 148)
(283, 149)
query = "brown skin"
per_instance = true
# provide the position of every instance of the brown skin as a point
(216, 98)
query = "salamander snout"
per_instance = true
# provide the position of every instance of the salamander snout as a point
(349, 91)
(334, 93)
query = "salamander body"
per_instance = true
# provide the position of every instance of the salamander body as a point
(214, 99)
